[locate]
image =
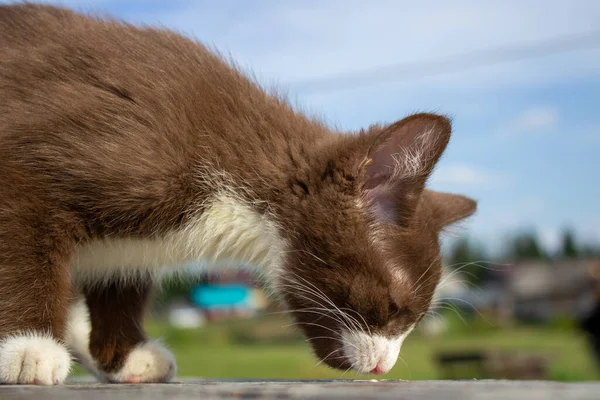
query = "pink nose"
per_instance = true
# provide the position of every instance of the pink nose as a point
(378, 370)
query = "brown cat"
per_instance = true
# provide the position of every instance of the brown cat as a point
(125, 150)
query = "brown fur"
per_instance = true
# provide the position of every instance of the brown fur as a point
(116, 314)
(108, 130)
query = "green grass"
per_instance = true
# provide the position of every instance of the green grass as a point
(265, 349)
(251, 349)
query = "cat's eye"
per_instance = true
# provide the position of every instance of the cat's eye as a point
(395, 311)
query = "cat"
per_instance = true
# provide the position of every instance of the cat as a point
(125, 150)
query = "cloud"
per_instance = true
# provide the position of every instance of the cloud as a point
(465, 175)
(519, 212)
(534, 213)
(297, 40)
(288, 43)
(535, 119)
(532, 120)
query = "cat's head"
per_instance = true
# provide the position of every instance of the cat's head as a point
(364, 256)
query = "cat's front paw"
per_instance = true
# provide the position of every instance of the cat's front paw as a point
(147, 362)
(33, 359)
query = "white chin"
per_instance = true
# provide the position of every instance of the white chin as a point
(372, 353)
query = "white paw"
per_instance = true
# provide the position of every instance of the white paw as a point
(33, 359)
(147, 362)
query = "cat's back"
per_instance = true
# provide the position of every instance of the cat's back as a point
(54, 61)
(96, 99)
(30, 23)
(48, 51)
(78, 70)
(36, 27)
(41, 42)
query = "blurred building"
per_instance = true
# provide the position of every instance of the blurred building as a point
(541, 291)
(228, 294)
(216, 294)
(533, 292)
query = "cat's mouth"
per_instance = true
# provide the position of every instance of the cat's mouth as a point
(365, 353)
(370, 354)
(361, 353)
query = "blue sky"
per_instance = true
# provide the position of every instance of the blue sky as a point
(526, 134)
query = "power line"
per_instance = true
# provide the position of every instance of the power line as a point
(458, 62)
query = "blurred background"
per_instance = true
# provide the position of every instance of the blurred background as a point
(521, 80)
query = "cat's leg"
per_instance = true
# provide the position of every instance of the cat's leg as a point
(34, 297)
(107, 335)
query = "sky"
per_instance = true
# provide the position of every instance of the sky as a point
(526, 135)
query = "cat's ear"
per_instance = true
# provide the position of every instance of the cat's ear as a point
(447, 208)
(401, 158)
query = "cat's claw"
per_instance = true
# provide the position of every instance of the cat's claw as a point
(33, 359)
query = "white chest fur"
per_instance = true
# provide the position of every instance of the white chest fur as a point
(228, 231)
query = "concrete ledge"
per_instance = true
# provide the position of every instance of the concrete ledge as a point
(351, 389)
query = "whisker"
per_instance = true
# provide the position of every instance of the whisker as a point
(334, 313)
(478, 262)
(317, 312)
(325, 358)
(432, 314)
(355, 322)
(423, 274)
(450, 308)
(363, 318)
(337, 358)
(324, 297)
(331, 302)
(348, 369)
(312, 324)
(333, 338)
(407, 367)
(464, 265)
(470, 304)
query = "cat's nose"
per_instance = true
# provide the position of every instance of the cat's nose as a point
(378, 370)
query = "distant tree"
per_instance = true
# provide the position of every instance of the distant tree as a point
(589, 251)
(470, 258)
(461, 252)
(569, 248)
(525, 247)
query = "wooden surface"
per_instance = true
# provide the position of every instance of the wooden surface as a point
(504, 390)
